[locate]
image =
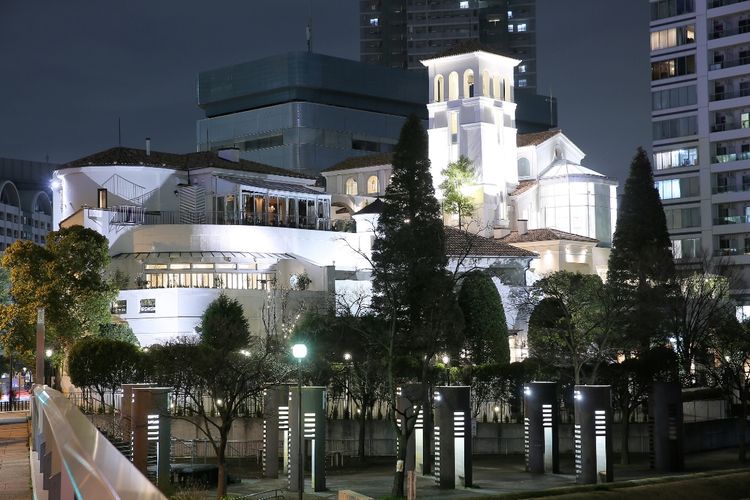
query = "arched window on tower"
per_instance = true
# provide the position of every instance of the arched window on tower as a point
(496, 86)
(372, 184)
(486, 83)
(351, 186)
(453, 86)
(468, 83)
(439, 88)
(524, 168)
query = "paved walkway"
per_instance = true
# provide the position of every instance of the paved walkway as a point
(15, 475)
(492, 475)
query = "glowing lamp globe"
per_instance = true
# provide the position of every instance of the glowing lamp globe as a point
(299, 351)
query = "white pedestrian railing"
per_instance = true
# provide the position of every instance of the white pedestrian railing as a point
(76, 460)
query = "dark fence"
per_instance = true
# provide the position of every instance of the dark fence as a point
(17, 405)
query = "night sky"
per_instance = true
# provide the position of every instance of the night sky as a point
(70, 69)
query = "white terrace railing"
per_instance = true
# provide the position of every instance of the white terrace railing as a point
(75, 460)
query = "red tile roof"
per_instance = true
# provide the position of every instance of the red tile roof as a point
(459, 242)
(523, 186)
(545, 234)
(361, 161)
(535, 138)
(190, 161)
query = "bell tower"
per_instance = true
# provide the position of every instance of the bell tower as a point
(472, 114)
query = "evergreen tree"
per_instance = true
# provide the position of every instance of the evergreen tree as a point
(224, 326)
(413, 291)
(485, 328)
(641, 246)
(409, 250)
(641, 262)
(118, 331)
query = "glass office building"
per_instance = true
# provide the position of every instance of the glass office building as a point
(304, 111)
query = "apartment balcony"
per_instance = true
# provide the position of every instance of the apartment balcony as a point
(728, 122)
(729, 63)
(731, 219)
(718, 8)
(713, 4)
(730, 157)
(730, 188)
(726, 33)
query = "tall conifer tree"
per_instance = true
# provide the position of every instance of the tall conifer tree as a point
(641, 262)
(413, 291)
(409, 251)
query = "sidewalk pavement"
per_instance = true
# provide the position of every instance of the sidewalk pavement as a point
(492, 475)
(15, 472)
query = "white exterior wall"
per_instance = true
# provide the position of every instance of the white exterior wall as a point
(486, 132)
(323, 248)
(178, 310)
(78, 188)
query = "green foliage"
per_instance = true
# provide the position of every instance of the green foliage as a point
(67, 278)
(699, 304)
(641, 245)
(641, 262)
(104, 364)
(485, 327)
(458, 174)
(118, 331)
(572, 323)
(409, 278)
(218, 382)
(413, 292)
(224, 326)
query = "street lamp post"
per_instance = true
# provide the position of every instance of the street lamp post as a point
(446, 360)
(299, 351)
(347, 409)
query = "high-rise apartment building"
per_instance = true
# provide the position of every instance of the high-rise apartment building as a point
(401, 33)
(700, 83)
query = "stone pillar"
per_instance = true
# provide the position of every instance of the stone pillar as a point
(150, 431)
(126, 408)
(666, 427)
(275, 429)
(593, 433)
(409, 396)
(453, 436)
(314, 420)
(541, 427)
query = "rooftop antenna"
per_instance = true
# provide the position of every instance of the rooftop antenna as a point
(308, 29)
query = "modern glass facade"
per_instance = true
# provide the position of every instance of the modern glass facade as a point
(305, 112)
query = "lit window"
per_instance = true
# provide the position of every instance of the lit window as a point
(463, 4)
(351, 186)
(374, 21)
(510, 14)
(522, 82)
(372, 185)
(522, 68)
(119, 307)
(510, 28)
(148, 305)
(521, 27)
(439, 88)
